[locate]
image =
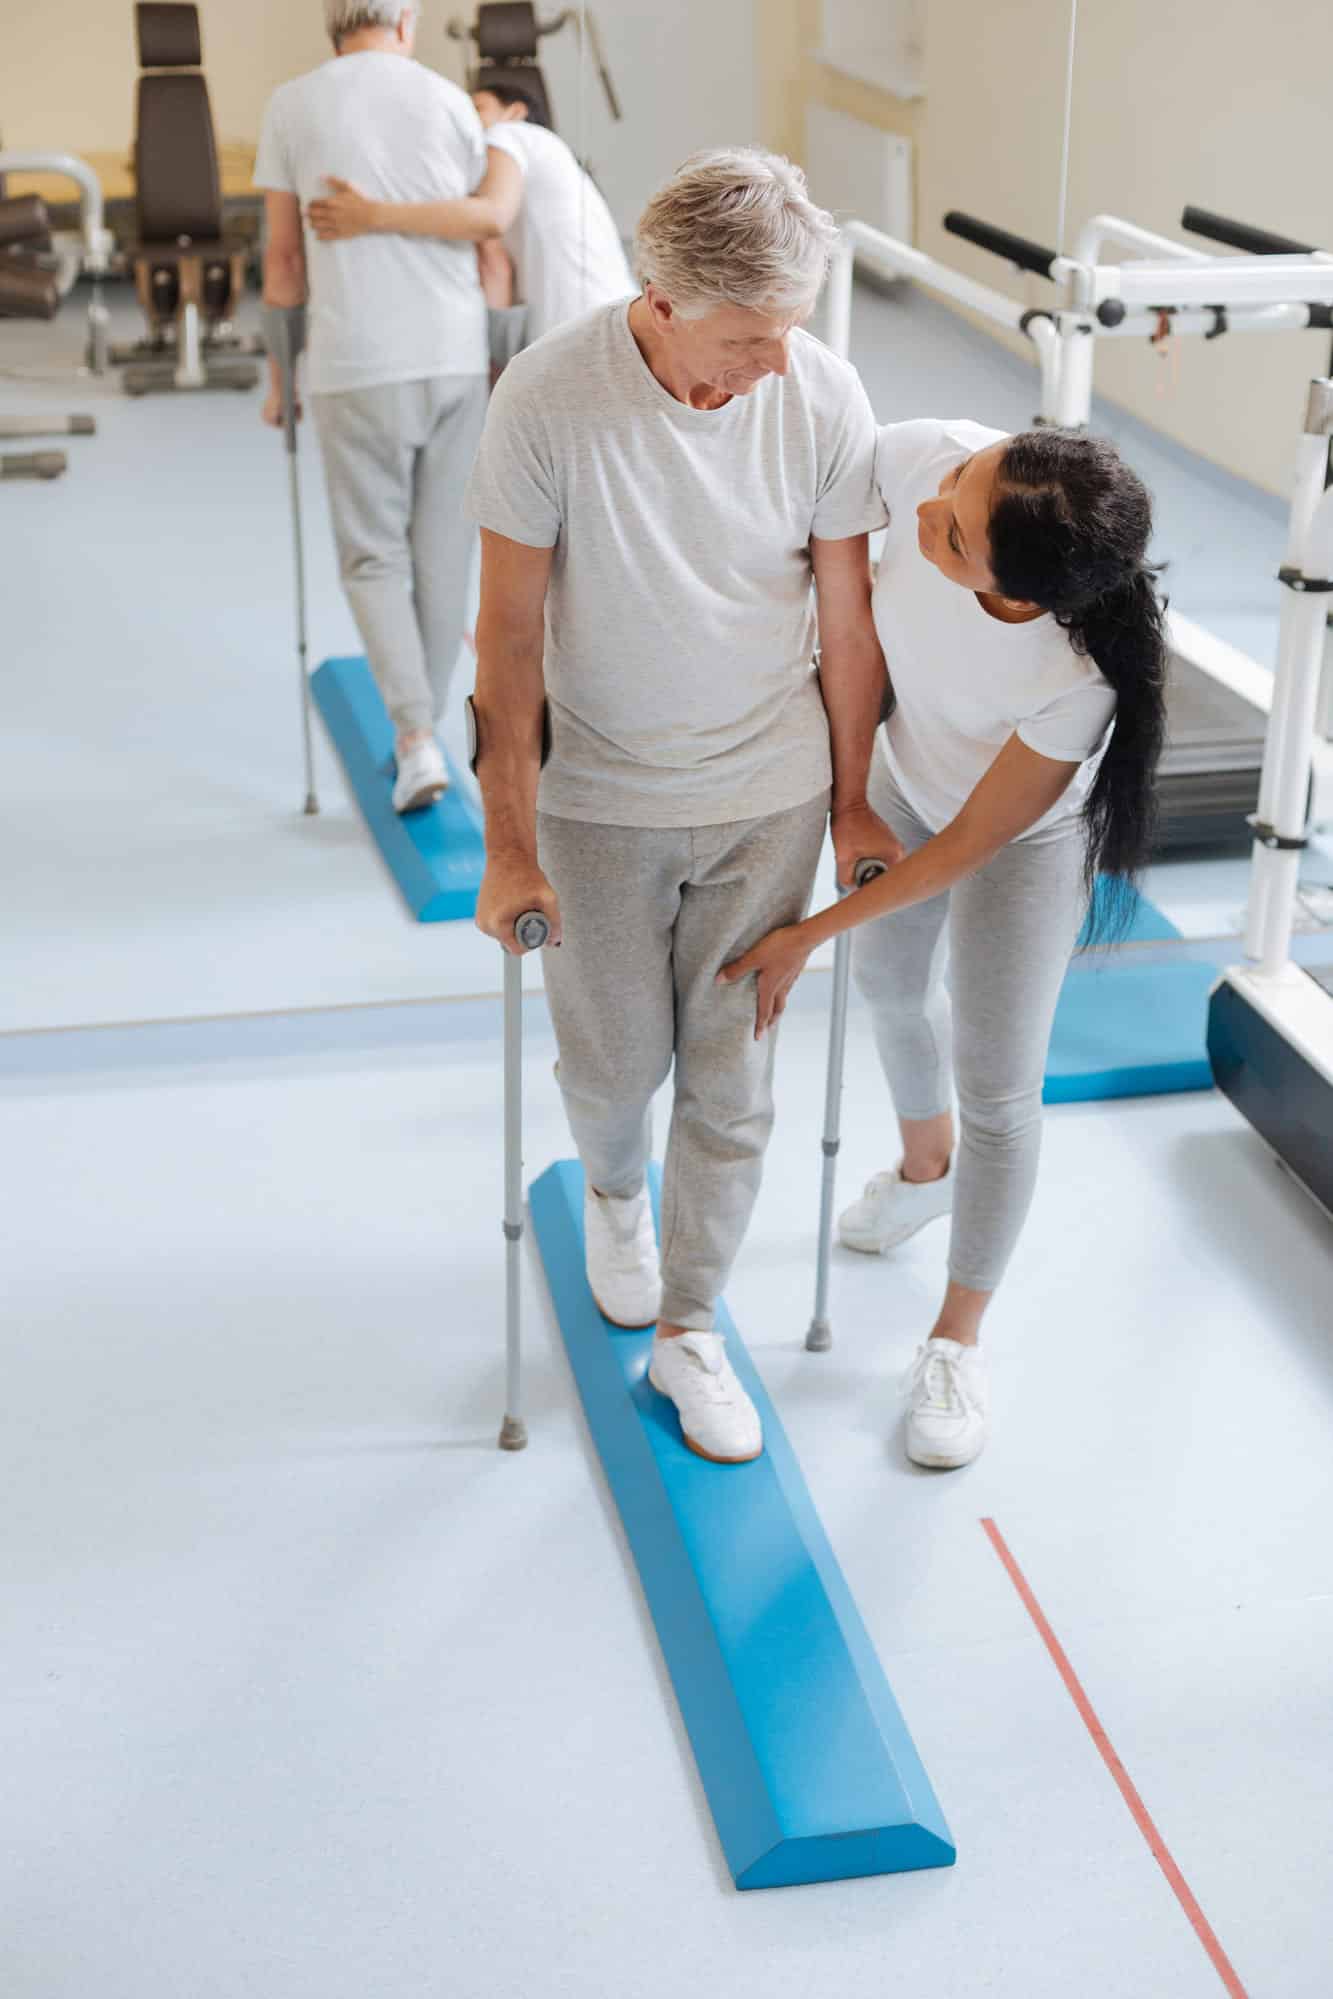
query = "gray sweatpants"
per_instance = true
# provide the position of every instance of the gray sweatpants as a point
(398, 458)
(1007, 941)
(650, 916)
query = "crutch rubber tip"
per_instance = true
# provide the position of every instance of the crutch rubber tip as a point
(513, 1434)
(311, 804)
(820, 1336)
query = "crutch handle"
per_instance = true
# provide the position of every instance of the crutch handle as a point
(531, 930)
(867, 871)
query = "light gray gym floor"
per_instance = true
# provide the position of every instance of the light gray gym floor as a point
(310, 1693)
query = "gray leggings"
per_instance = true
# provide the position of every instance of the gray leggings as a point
(397, 458)
(1007, 941)
(651, 915)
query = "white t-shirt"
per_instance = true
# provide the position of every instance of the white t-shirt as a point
(964, 681)
(679, 617)
(382, 308)
(566, 251)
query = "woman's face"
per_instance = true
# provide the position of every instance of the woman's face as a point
(953, 529)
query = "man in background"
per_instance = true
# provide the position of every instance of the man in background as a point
(398, 360)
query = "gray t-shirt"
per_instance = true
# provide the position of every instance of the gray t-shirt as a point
(680, 621)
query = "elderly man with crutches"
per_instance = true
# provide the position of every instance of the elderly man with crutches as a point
(659, 485)
(397, 362)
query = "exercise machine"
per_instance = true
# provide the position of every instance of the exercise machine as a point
(29, 289)
(188, 275)
(60, 265)
(1217, 700)
(1270, 1023)
(508, 33)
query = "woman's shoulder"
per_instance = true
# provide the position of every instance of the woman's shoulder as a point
(910, 451)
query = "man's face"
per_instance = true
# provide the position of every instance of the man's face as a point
(731, 349)
(492, 112)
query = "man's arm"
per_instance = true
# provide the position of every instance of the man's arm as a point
(475, 218)
(284, 276)
(510, 705)
(853, 682)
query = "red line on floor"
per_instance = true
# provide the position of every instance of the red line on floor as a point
(1138, 1810)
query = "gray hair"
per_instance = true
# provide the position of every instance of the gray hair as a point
(734, 226)
(346, 17)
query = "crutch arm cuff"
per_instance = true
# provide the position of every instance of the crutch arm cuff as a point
(281, 322)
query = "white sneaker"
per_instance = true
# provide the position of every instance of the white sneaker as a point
(948, 1412)
(422, 777)
(620, 1251)
(892, 1209)
(717, 1417)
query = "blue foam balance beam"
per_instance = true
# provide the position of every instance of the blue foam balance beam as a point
(1126, 1030)
(436, 855)
(805, 1758)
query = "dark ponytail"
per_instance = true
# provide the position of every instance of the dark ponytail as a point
(1069, 530)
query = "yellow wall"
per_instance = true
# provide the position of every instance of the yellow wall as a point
(1215, 102)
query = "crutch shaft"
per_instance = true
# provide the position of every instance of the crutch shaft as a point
(531, 932)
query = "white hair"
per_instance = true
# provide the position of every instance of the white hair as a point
(345, 17)
(734, 226)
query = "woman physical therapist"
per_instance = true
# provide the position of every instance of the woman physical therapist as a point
(1025, 647)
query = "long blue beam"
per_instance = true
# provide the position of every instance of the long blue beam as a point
(804, 1755)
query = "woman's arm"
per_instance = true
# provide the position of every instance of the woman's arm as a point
(852, 682)
(473, 219)
(1019, 789)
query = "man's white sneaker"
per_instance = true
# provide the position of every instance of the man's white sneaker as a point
(892, 1209)
(717, 1417)
(620, 1249)
(948, 1405)
(422, 777)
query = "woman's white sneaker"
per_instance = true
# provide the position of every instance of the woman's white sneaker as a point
(422, 777)
(948, 1415)
(892, 1209)
(717, 1417)
(620, 1251)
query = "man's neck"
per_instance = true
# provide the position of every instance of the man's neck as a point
(382, 41)
(657, 359)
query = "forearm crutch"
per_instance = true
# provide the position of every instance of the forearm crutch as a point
(820, 1336)
(284, 328)
(531, 932)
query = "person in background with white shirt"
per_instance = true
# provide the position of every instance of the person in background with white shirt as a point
(1025, 644)
(398, 363)
(545, 236)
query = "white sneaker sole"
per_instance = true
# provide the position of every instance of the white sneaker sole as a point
(428, 795)
(948, 1460)
(868, 1245)
(746, 1458)
(625, 1325)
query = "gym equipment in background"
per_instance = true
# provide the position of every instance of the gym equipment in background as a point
(1270, 1023)
(530, 933)
(804, 1755)
(287, 383)
(820, 1336)
(507, 34)
(1217, 700)
(30, 290)
(189, 277)
(62, 263)
(436, 856)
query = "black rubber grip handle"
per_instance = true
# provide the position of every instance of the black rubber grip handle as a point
(531, 931)
(1018, 250)
(869, 870)
(1240, 236)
